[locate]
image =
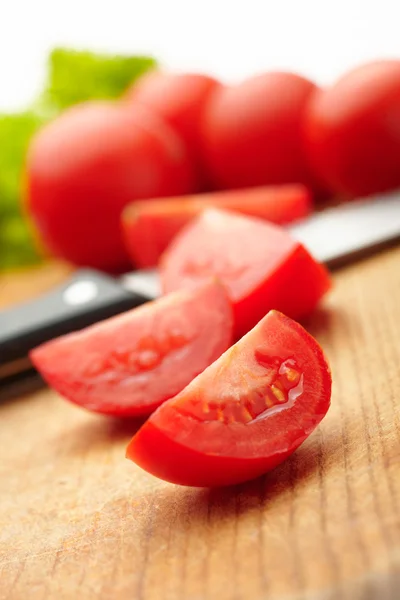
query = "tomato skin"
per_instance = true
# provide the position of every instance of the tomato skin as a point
(128, 365)
(352, 131)
(179, 98)
(84, 167)
(149, 227)
(262, 267)
(252, 132)
(186, 466)
(182, 445)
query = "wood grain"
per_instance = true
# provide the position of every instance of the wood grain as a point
(79, 521)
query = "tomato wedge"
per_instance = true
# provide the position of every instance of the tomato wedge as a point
(243, 415)
(150, 226)
(129, 364)
(262, 266)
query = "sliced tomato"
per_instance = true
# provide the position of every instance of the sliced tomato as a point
(244, 414)
(129, 364)
(150, 226)
(262, 266)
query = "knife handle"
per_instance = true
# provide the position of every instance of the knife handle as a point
(88, 297)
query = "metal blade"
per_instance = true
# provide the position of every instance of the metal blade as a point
(349, 231)
(145, 282)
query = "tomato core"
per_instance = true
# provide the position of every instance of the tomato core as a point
(282, 385)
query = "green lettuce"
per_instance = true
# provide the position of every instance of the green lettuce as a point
(16, 243)
(76, 76)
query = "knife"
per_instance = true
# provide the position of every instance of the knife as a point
(334, 236)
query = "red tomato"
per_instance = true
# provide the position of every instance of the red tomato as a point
(129, 364)
(243, 415)
(352, 130)
(180, 99)
(252, 131)
(85, 166)
(150, 226)
(261, 265)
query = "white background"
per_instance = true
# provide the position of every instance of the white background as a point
(232, 39)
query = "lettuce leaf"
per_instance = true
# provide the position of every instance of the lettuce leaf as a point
(76, 76)
(16, 243)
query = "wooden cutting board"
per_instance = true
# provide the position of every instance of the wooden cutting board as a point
(78, 521)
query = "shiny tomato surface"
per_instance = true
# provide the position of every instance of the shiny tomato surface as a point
(261, 265)
(244, 414)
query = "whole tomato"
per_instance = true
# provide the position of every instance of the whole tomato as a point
(84, 167)
(252, 132)
(179, 98)
(352, 130)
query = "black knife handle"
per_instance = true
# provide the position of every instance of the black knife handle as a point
(88, 297)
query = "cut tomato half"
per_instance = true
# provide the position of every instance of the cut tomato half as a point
(244, 414)
(150, 226)
(129, 364)
(262, 266)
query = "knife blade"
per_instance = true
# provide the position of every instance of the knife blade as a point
(334, 236)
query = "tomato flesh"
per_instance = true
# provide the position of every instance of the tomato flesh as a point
(129, 364)
(245, 414)
(262, 266)
(150, 226)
